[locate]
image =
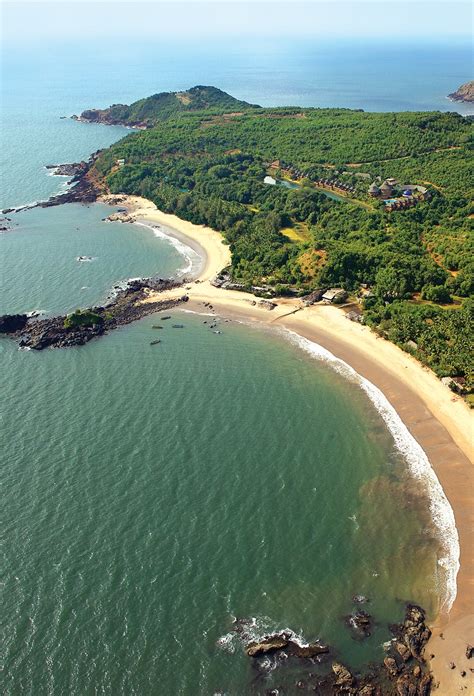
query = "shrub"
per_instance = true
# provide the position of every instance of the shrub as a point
(82, 317)
(436, 293)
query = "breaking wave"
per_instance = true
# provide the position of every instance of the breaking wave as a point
(192, 258)
(419, 465)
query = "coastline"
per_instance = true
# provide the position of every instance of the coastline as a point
(439, 421)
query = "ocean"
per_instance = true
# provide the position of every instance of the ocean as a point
(154, 493)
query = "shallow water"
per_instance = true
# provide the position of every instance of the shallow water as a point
(152, 493)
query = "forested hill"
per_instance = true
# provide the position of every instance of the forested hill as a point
(147, 112)
(407, 265)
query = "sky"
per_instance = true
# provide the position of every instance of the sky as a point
(67, 19)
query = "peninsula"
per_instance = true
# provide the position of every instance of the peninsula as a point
(374, 204)
(295, 210)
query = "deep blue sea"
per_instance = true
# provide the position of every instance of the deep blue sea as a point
(42, 83)
(153, 493)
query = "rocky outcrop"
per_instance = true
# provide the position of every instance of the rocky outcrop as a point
(81, 327)
(465, 93)
(413, 634)
(9, 323)
(71, 169)
(85, 185)
(360, 624)
(403, 671)
(284, 642)
(343, 677)
(267, 645)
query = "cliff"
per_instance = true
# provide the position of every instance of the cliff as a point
(465, 93)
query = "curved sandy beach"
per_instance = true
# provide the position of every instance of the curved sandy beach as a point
(440, 421)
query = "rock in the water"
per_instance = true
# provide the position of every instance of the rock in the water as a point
(359, 599)
(360, 623)
(311, 650)
(9, 323)
(343, 676)
(268, 645)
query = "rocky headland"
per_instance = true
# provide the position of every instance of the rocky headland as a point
(404, 670)
(81, 326)
(85, 187)
(464, 93)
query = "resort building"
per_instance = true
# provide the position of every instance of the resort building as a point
(334, 295)
(398, 196)
(386, 190)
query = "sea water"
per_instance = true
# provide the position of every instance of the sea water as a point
(153, 493)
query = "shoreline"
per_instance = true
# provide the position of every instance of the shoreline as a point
(439, 421)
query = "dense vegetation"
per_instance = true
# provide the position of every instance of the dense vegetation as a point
(151, 110)
(209, 168)
(82, 317)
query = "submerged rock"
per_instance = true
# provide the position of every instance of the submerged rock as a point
(360, 623)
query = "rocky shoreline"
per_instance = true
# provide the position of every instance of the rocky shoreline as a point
(81, 326)
(84, 189)
(403, 672)
(464, 93)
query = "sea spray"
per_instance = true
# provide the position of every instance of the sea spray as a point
(419, 465)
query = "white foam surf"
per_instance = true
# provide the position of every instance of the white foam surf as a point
(419, 465)
(192, 258)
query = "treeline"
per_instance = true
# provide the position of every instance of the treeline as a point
(441, 339)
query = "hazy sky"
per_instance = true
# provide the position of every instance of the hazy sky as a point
(149, 18)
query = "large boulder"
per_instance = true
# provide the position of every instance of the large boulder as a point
(267, 645)
(343, 676)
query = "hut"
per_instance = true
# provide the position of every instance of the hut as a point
(374, 190)
(334, 295)
(386, 189)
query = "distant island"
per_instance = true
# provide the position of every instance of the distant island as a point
(465, 93)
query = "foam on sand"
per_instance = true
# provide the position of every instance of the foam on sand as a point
(415, 456)
(192, 258)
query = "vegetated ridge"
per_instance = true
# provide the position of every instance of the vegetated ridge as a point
(145, 113)
(398, 240)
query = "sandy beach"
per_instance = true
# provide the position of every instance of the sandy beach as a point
(440, 421)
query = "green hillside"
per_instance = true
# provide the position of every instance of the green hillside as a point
(159, 107)
(409, 270)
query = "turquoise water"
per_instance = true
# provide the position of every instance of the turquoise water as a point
(151, 493)
(40, 270)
